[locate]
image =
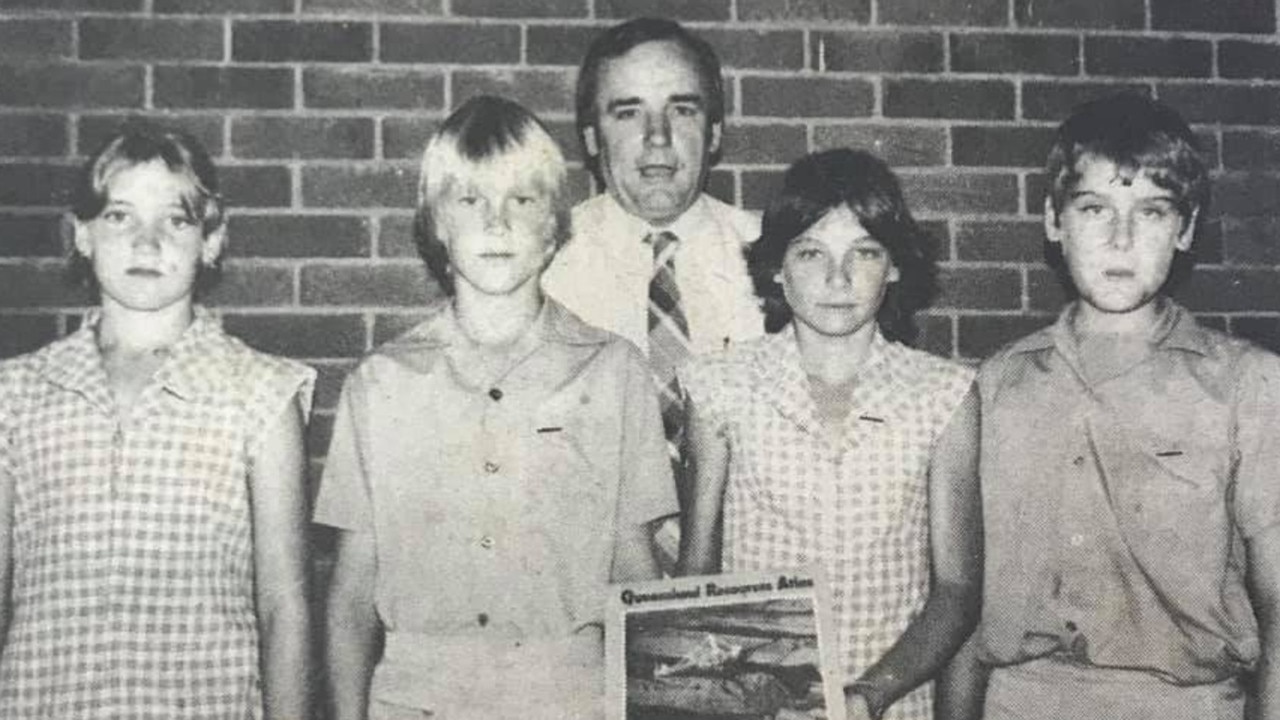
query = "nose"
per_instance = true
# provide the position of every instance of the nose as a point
(1122, 232)
(496, 218)
(657, 129)
(839, 274)
(148, 237)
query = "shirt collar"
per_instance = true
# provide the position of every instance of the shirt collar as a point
(1176, 329)
(193, 370)
(693, 222)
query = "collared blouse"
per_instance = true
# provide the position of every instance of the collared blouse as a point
(133, 587)
(853, 499)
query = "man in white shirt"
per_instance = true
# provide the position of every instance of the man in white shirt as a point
(650, 113)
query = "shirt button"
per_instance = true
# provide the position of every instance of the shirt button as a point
(486, 542)
(1078, 460)
(496, 394)
(1077, 540)
(482, 619)
(491, 467)
(1070, 626)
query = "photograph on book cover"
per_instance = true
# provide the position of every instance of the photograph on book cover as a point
(747, 645)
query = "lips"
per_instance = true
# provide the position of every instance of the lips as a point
(657, 172)
(1118, 274)
(143, 272)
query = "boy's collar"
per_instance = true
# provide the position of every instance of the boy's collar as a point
(1175, 329)
(441, 330)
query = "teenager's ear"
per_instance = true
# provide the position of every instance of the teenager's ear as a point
(894, 274)
(214, 243)
(713, 142)
(80, 235)
(1188, 234)
(1052, 228)
(589, 140)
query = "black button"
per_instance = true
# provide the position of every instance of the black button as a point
(482, 619)
(496, 394)
(1070, 626)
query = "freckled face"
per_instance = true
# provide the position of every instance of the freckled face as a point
(146, 245)
(652, 137)
(835, 275)
(1118, 236)
(499, 229)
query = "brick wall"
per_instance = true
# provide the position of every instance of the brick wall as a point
(315, 110)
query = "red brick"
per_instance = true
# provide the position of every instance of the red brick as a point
(372, 88)
(1018, 146)
(759, 187)
(1233, 104)
(875, 51)
(1264, 331)
(1241, 59)
(1158, 57)
(979, 288)
(374, 7)
(287, 40)
(558, 44)
(519, 8)
(1000, 240)
(301, 336)
(539, 90)
(807, 97)
(721, 185)
(90, 5)
(31, 236)
(405, 137)
(44, 285)
(935, 335)
(36, 185)
(395, 237)
(898, 145)
(1056, 100)
(1038, 54)
(944, 12)
(1048, 290)
(1231, 290)
(681, 10)
(1251, 150)
(78, 86)
(1210, 148)
(1113, 14)
(1235, 16)
(219, 87)
(1252, 241)
(222, 7)
(805, 10)
(978, 336)
(24, 333)
(103, 38)
(366, 285)
(963, 193)
(464, 43)
(1037, 189)
(329, 380)
(757, 49)
(256, 186)
(1247, 195)
(36, 39)
(763, 144)
(1208, 241)
(33, 135)
(296, 236)
(93, 130)
(244, 285)
(392, 325)
(296, 137)
(359, 186)
(970, 99)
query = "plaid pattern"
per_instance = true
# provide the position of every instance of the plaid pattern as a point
(668, 337)
(133, 561)
(854, 499)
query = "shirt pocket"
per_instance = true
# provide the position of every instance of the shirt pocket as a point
(1174, 492)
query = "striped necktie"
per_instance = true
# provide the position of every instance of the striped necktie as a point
(668, 336)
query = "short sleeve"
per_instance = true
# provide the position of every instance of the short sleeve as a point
(701, 384)
(647, 491)
(1257, 490)
(344, 500)
(276, 383)
(956, 383)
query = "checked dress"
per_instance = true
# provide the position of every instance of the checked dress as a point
(133, 588)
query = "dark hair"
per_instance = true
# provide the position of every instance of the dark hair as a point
(815, 185)
(1139, 135)
(484, 129)
(621, 39)
(138, 142)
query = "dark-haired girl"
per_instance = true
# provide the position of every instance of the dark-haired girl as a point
(831, 442)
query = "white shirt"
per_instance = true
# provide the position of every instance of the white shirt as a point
(603, 272)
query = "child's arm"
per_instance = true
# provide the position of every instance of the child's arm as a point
(706, 453)
(1264, 591)
(280, 562)
(6, 549)
(955, 525)
(352, 625)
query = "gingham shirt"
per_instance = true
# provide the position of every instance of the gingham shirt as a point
(853, 499)
(132, 590)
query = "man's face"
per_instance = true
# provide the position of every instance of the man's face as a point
(652, 137)
(1118, 236)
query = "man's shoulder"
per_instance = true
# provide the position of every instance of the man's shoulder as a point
(745, 224)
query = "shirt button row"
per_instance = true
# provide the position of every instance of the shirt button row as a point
(491, 467)
(487, 542)
(1078, 460)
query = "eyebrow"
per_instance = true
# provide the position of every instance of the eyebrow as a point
(691, 98)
